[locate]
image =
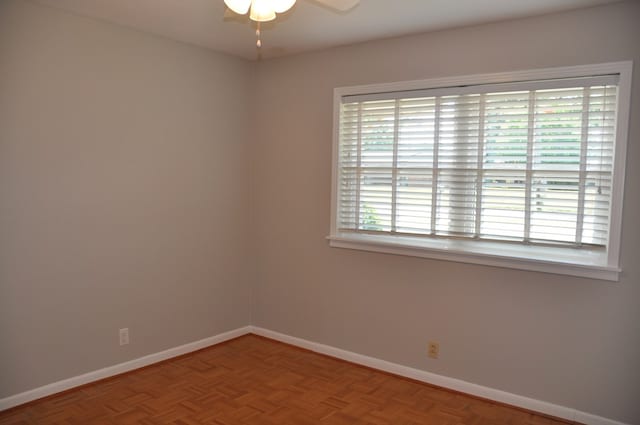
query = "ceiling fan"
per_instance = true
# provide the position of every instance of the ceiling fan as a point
(266, 10)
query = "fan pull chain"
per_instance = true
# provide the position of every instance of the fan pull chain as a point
(258, 36)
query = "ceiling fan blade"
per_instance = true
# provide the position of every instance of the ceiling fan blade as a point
(340, 5)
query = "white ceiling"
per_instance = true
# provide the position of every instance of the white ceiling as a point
(308, 26)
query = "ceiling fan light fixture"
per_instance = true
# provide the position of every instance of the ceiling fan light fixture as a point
(262, 11)
(238, 6)
(266, 10)
(281, 6)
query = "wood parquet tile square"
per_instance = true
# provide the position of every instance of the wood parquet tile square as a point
(255, 381)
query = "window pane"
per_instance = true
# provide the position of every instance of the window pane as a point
(506, 130)
(377, 133)
(413, 202)
(456, 202)
(558, 129)
(416, 133)
(503, 204)
(554, 206)
(375, 200)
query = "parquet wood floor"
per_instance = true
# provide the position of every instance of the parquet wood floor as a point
(255, 381)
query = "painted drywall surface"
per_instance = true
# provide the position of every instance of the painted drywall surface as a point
(565, 340)
(124, 194)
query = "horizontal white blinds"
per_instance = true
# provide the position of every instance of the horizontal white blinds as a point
(531, 165)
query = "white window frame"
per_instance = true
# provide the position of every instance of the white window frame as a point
(596, 264)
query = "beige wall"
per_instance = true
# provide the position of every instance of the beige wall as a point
(124, 195)
(569, 341)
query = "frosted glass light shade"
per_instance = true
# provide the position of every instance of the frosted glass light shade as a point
(281, 6)
(239, 6)
(262, 11)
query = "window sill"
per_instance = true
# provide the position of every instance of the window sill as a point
(564, 261)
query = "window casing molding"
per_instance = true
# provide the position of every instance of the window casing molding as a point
(597, 263)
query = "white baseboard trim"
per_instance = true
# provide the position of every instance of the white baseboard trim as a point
(96, 375)
(408, 372)
(589, 419)
(441, 381)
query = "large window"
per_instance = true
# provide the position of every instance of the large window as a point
(523, 170)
